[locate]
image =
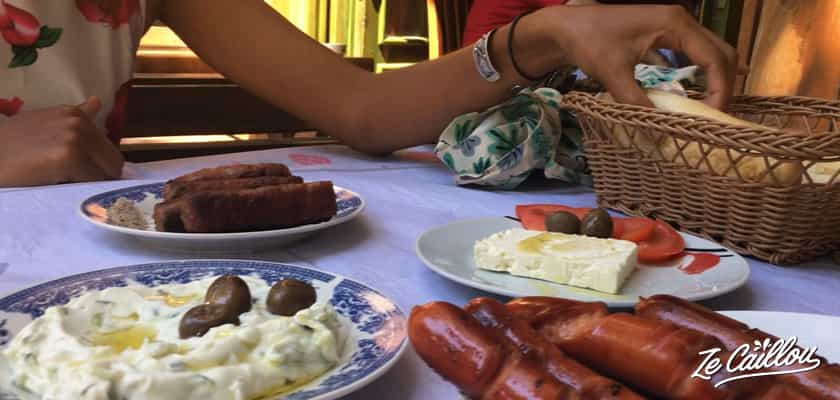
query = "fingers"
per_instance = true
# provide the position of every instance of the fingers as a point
(706, 55)
(718, 59)
(652, 57)
(101, 150)
(91, 107)
(731, 60)
(79, 122)
(83, 169)
(68, 161)
(624, 87)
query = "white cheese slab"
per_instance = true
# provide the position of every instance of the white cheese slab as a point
(583, 261)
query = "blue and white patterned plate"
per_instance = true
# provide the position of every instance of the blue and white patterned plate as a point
(94, 210)
(377, 325)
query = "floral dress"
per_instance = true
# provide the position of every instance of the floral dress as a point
(60, 52)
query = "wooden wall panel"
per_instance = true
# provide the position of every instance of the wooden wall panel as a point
(746, 37)
(164, 104)
(797, 49)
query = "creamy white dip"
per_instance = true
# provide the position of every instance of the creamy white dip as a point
(123, 343)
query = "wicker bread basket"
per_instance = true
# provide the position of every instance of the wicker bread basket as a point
(788, 214)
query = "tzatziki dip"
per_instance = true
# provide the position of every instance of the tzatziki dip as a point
(124, 343)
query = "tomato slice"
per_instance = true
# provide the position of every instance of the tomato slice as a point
(532, 216)
(634, 229)
(618, 227)
(664, 243)
(657, 240)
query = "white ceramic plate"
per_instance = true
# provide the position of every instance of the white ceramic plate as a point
(448, 250)
(809, 329)
(93, 210)
(377, 332)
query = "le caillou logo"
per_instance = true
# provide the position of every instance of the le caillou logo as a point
(761, 358)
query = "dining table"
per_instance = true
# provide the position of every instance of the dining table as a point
(43, 237)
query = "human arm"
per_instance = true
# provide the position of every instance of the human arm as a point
(257, 48)
(56, 145)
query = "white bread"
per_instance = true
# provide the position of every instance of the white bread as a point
(824, 172)
(750, 168)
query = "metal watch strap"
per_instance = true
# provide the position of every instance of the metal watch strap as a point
(481, 56)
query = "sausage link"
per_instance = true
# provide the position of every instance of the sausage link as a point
(588, 384)
(653, 356)
(454, 345)
(524, 379)
(458, 348)
(822, 383)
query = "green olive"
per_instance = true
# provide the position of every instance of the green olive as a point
(232, 291)
(203, 317)
(597, 223)
(289, 296)
(563, 222)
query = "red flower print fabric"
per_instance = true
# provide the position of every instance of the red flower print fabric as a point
(10, 107)
(93, 12)
(22, 30)
(117, 117)
(19, 27)
(55, 52)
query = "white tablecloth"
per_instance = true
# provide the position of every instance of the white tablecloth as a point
(42, 238)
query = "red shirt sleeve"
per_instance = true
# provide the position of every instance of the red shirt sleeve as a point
(488, 14)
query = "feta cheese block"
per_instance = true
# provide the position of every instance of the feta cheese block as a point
(589, 262)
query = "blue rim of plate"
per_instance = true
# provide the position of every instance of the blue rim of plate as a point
(380, 320)
(349, 205)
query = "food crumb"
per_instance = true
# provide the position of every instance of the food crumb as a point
(125, 213)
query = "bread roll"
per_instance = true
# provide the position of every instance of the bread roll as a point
(824, 172)
(750, 168)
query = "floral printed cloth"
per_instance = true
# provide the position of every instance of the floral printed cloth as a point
(61, 52)
(501, 146)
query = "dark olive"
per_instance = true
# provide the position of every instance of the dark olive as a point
(289, 296)
(232, 291)
(597, 223)
(201, 318)
(563, 222)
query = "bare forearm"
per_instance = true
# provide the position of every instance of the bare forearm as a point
(374, 113)
(412, 105)
(256, 47)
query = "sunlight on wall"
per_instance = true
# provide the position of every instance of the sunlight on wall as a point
(350, 22)
(354, 25)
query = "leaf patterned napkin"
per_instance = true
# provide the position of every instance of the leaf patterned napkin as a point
(501, 146)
